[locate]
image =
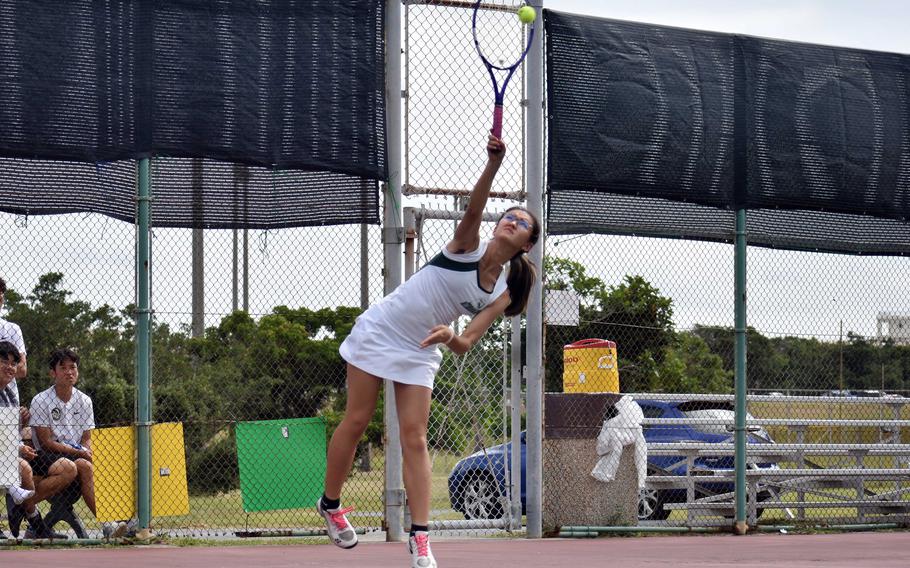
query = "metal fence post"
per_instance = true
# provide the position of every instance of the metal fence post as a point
(534, 165)
(515, 405)
(143, 351)
(392, 240)
(739, 309)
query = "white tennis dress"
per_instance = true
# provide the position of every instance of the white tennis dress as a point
(385, 340)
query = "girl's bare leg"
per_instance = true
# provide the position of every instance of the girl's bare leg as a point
(413, 403)
(363, 391)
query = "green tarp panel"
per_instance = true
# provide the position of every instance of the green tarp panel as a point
(282, 463)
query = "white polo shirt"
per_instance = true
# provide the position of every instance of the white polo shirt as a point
(67, 420)
(13, 333)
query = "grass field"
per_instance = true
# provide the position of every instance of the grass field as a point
(215, 513)
(827, 410)
(817, 514)
(223, 513)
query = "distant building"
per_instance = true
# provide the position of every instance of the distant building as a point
(895, 327)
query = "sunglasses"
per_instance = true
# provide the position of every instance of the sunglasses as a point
(522, 223)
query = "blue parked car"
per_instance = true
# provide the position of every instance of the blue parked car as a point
(477, 482)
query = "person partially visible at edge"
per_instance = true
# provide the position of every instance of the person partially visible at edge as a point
(33, 487)
(9, 362)
(399, 339)
(11, 332)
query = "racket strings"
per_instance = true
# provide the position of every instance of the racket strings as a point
(498, 32)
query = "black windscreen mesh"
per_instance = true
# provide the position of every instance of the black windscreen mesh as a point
(617, 214)
(667, 131)
(294, 90)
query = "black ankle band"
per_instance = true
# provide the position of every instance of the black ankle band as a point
(330, 504)
(419, 528)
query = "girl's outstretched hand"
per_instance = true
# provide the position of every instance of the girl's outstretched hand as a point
(439, 334)
(496, 149)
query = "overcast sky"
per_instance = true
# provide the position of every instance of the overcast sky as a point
(873, 24)
(789, 293)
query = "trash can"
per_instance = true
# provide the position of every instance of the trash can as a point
(590, 365)
(571, 495)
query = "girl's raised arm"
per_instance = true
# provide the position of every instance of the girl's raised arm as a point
(467, 233)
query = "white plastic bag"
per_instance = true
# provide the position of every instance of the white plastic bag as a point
(622, 430)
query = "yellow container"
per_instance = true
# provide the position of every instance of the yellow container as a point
(590, 365)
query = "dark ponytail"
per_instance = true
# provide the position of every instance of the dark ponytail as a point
(522, 274)
(522, 271)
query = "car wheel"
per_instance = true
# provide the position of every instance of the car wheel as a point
(480, 498)
(651, 505)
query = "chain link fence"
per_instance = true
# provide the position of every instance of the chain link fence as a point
(248, 384)
(247, 380)
(249, 387)
(827, 397)
(70, 282)
(448, 109)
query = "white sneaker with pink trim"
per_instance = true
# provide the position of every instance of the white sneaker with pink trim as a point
(419, 547)
(340, 530)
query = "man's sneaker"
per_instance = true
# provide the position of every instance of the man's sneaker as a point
(419, 547)
(38, 529)
(113, 529)
(16, 514)
(31, 534)
(340, 530)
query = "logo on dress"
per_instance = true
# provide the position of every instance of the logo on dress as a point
(472, 309)
(55, 414)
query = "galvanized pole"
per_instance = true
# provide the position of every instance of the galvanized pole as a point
(410, 242)
(143, 350)
(234, 283)
(739, 311)
(198, 252)
(198, 286)
(534, 176)
(392, 239)
(246, 270)
(515, 404)
(364, 267)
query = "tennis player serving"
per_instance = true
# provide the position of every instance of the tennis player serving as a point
(399, 339)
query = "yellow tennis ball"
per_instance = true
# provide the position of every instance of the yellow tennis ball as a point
(526, 14)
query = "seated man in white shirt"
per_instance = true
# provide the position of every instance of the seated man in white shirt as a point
(62, 420)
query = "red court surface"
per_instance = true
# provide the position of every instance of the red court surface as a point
(850, 550)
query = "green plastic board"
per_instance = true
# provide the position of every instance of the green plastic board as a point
(282, 463)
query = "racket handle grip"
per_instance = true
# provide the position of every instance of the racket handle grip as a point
(497, 121)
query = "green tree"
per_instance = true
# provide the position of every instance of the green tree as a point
(50, 319)
(688, 366)
(632, 313)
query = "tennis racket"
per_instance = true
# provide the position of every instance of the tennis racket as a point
(498, 38)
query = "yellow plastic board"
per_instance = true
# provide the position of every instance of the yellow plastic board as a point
(170, 497)
(114, 451)
(115, 472)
